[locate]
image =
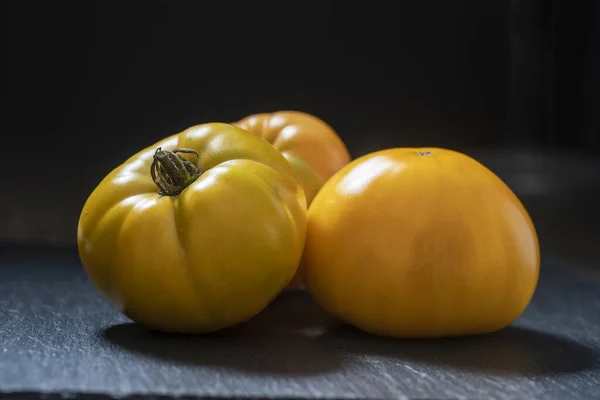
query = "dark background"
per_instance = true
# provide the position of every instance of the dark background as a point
(514, 83)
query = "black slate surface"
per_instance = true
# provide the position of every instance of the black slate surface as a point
(59, 338)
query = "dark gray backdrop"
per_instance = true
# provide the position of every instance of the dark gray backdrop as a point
(89, 83)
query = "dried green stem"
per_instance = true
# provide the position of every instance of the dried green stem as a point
(172, 172)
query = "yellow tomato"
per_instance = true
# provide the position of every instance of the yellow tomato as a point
(198, 240)
(420, 243)
(312, 147)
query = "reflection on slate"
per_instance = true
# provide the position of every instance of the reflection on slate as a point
(58, 336)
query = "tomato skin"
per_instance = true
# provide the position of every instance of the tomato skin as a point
(208, 258)
(312, 147)
(420, 243)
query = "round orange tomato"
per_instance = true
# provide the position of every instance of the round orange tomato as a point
(420, 243)
(312, 147)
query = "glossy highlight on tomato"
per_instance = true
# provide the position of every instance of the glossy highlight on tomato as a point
(420, 243)
(197, 232)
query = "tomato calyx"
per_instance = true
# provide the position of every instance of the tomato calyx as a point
(171, 172)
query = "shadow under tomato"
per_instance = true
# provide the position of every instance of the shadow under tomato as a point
(512, 351)
(273, 342)
(294, 336)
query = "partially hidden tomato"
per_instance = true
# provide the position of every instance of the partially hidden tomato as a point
(420, 243)
(312, 147)
(197, 232)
